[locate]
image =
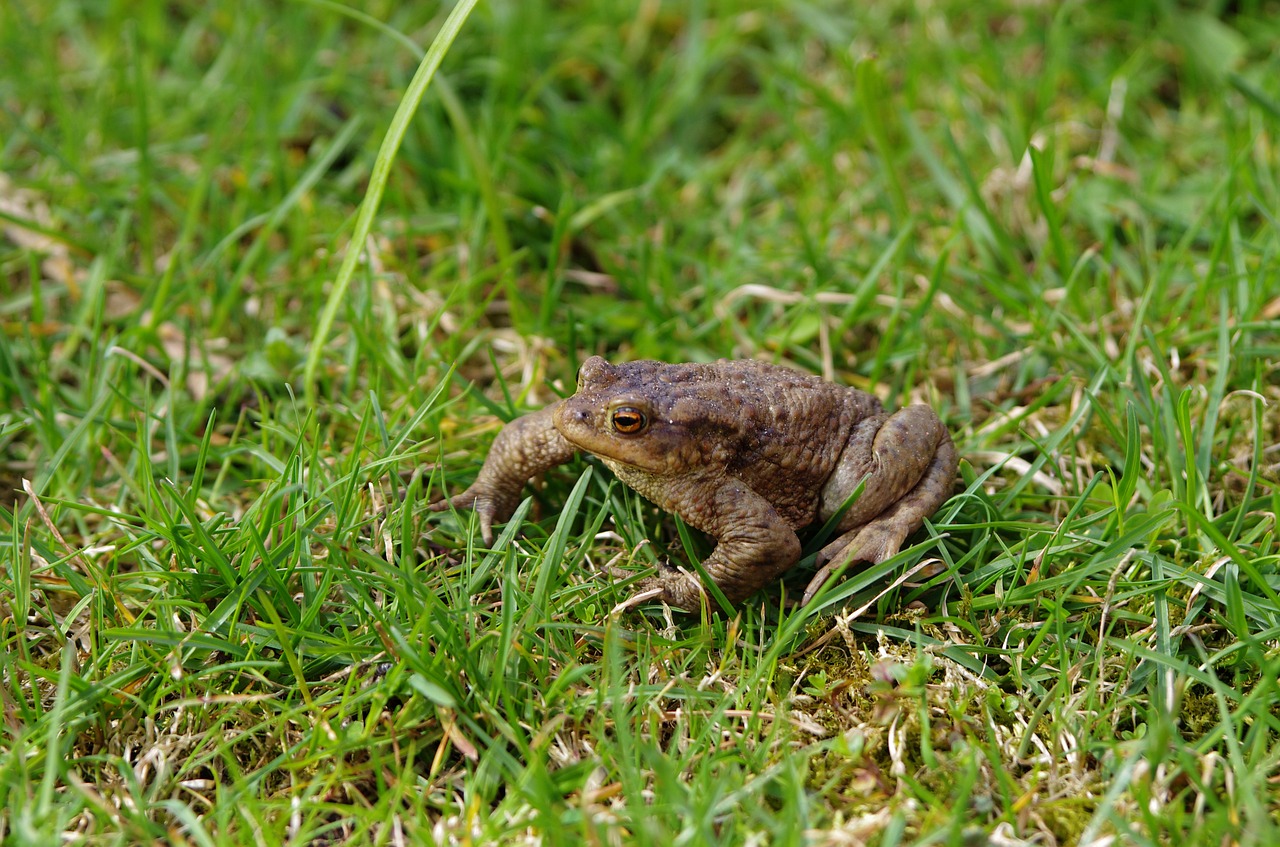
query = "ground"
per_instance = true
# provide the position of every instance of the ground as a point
(252, 323)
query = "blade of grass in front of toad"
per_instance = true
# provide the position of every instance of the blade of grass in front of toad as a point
(377, 183)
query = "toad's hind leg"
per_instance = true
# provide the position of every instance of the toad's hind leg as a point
(909, 470)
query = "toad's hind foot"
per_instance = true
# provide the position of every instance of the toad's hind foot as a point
(882, 537)
(875, 542)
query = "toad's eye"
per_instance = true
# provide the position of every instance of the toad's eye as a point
(628, 420)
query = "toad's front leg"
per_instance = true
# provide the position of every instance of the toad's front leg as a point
(754, 545)
(525, 447)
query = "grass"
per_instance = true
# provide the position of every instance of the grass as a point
(228, 618)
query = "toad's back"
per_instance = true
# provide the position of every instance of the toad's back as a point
(778, 430)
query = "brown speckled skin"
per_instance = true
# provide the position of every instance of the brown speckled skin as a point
(746, 451)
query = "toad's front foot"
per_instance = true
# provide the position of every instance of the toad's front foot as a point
(490, 505)
(676, 588)
(527, 446)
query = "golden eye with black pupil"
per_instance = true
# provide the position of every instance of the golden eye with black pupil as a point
(628, 420)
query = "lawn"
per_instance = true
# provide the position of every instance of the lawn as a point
(265, 294)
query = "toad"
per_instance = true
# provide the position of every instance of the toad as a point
(745, 451)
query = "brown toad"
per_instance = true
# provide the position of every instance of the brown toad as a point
(746, 451)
